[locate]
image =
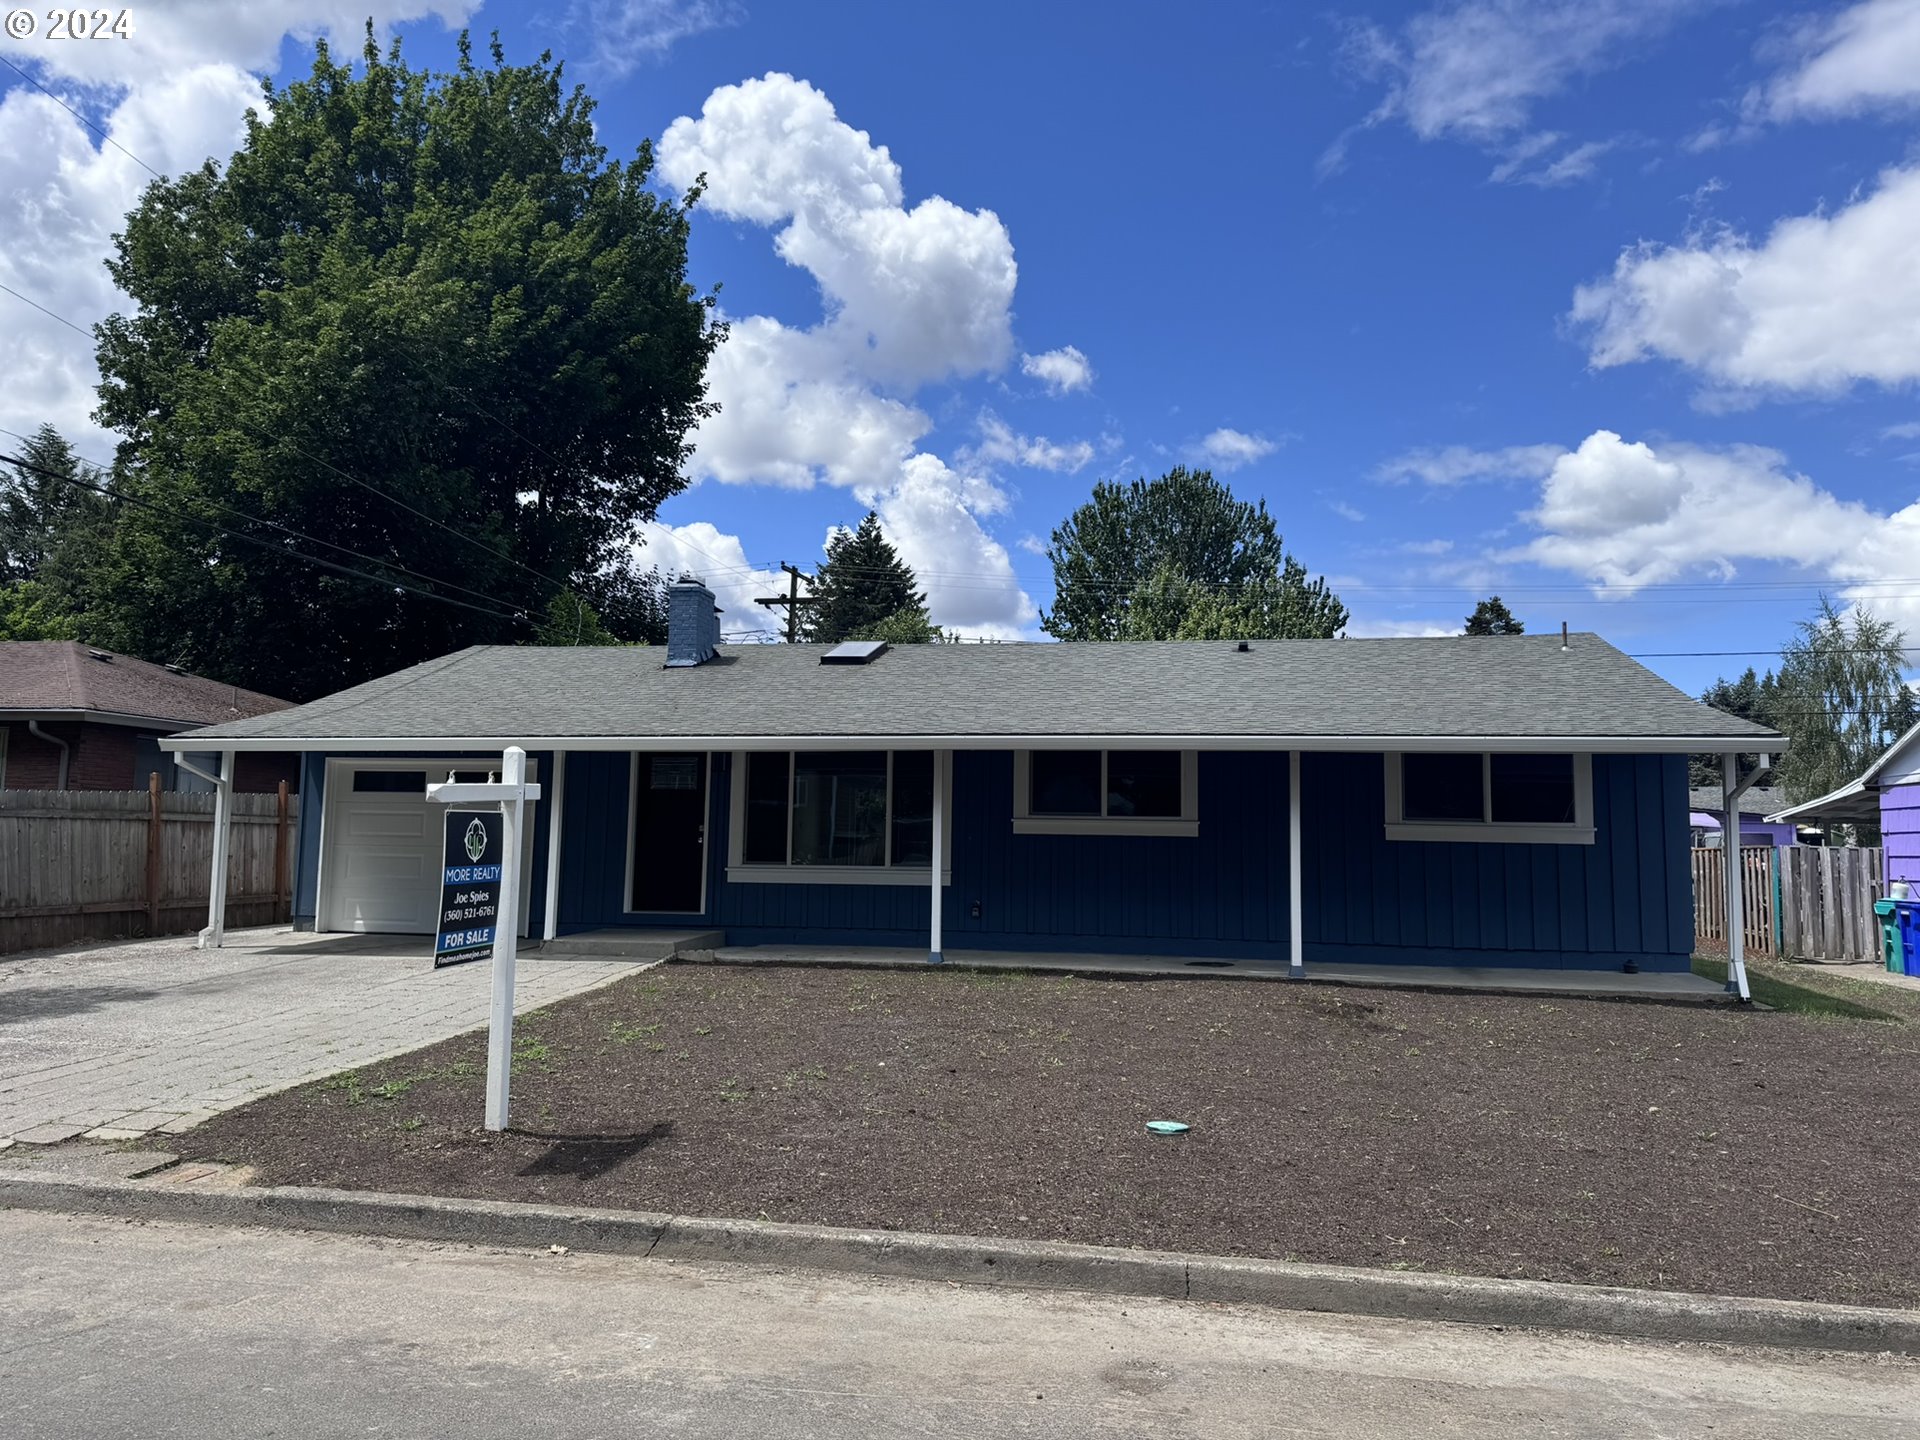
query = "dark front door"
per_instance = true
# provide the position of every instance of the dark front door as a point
(669, 834)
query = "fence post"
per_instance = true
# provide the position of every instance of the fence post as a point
(153, 853)
(281, 909)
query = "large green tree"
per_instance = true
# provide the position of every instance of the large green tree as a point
(419, 317)
(1200, 564)
(862, 585)
(1840, 697)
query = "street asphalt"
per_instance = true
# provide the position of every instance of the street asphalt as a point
(111, 1328)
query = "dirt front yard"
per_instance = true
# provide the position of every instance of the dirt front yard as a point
(1670, 1146)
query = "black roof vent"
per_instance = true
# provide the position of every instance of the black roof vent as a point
(101, 655)
(855, 652)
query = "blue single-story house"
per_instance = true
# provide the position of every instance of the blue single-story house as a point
(1486, 801)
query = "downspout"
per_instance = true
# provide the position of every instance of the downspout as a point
(66, 750)
(215, 935)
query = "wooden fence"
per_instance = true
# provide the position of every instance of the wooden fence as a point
(105, 864)
(1805, 902)
(1827, 897)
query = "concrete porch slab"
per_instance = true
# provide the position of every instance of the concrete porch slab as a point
(1482, 979)
(631, 943)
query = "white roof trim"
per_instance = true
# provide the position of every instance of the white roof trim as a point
(1845, 792)
(1507, 744)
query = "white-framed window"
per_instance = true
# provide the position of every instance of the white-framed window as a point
(1497, 798)
(838, 817)
(1106, 792)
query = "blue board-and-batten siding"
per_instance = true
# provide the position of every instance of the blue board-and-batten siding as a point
(1626, 898)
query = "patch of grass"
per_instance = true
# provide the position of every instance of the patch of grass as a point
(1780, 994)
(627, 1034)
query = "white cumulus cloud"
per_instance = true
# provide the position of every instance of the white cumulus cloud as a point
(720, 560)
(910, 296)
(174, 95)
(1823, 301)
(1226, 449)
(1062, 371)
(1624, 515)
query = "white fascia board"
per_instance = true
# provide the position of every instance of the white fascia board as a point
(1367, 744)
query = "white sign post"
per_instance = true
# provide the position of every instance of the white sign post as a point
(511, 793)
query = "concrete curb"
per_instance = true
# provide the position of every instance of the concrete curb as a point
(1014, 1264)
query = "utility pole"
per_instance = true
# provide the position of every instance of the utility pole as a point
(792, 600)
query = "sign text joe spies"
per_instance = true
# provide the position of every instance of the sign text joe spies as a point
(469, 886)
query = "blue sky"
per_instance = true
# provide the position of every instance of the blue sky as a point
(1612, 307)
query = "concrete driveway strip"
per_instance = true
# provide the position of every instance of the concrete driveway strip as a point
(118, 1041)
(114, 1329)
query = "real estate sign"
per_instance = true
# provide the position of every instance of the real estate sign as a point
(469, 886)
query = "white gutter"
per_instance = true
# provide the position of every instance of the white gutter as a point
(66, 750)
(1364, 744)
(215, 935)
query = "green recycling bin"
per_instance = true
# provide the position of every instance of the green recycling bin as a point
(1891, 952)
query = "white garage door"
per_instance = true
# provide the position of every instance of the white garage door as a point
(380, 862)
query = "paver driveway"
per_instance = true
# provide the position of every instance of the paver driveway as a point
(115, 1041)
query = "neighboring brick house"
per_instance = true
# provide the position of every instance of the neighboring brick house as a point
(79, 718)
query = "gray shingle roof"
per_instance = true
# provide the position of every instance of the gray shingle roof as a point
(1759, 800)
(1496, 687)
(56, 675)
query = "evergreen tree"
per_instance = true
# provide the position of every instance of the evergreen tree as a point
(1752, 697)
(1491, 617)
(1196, 561)
(51, 524)
(862, 583)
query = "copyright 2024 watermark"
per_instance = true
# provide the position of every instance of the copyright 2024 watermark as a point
(70, 24)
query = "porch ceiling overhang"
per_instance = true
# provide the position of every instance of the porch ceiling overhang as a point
(1852, 803)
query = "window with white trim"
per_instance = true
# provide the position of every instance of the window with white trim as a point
(1105, 792)
(862, 817)
(1532, 798)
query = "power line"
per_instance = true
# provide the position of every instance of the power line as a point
(261, 520)
(97, 129)
(281, 550)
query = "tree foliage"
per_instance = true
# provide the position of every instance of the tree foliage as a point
(1752, 697)
(1840, 697)
(51, 523)
(909, 626)
(1492, 617)
(1195, 562)
(434, 283)
(863, 583)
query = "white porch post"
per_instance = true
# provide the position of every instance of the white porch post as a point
(215, 935)
(1296, 902)
(556, 813)
(941, 759)
(505, 943)
(1730, 790)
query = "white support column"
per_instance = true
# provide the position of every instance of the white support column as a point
(1730, 790)
(1296, 902)
(941, 760)
(513, 771)
(215, 935)
(556, 814)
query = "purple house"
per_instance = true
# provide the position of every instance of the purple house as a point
(1886, 794)
(1760, 802)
